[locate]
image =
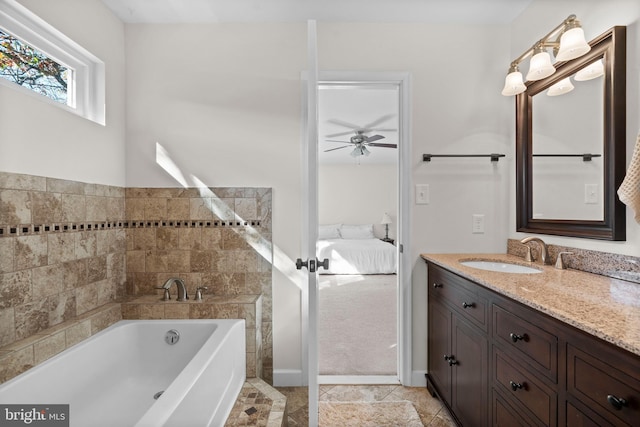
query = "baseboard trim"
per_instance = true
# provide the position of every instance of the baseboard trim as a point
(288, 378)
(358, 379)
(418, 379)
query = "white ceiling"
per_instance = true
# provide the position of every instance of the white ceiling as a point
(343, 108)
(434, 11)
(360, 106)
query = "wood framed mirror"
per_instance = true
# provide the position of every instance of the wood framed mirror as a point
(570, 149)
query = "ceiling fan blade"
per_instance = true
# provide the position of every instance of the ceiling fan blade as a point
(383, 145)
(333, 149)
(383, 130)
(374, 138)
(333, 135)
(342, 142)
(343, 123)
(381, 119)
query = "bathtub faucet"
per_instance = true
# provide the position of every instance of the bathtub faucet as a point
(182, 289)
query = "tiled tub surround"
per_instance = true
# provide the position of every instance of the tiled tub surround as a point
(68, 248)
(214, 237)
(61, 255)
(247, 307)
(601, 306)
(25, 354)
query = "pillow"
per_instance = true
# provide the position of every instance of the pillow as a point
(331, 231)
(363, 231)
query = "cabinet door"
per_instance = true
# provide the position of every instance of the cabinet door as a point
(469, 374)
(439, 347)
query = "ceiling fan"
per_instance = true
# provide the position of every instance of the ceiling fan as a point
(360, 141)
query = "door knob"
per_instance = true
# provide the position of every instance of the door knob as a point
(324, 263)
(310, 264)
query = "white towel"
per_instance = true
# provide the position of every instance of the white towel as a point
(629, 191)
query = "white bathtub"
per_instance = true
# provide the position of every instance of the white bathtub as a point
(111, 378)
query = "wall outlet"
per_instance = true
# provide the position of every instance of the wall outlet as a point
(477, 224)
(591, 194)
(422, 194)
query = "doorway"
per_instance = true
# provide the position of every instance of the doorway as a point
(358, 207)
(401, 81)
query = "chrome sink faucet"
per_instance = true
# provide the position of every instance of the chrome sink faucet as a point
(182, 289)
(544, 253)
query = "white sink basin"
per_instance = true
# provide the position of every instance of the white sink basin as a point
(500, 266)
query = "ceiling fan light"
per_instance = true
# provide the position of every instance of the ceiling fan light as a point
(560, 88)
(513, 84)
(572, 45)
(590, 72)
(540, 66)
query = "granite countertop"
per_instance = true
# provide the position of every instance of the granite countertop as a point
(601, 306)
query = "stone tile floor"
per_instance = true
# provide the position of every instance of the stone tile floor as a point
(429, 409)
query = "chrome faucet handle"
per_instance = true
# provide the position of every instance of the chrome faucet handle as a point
(167, 295)
(560, 265)
(199, 290)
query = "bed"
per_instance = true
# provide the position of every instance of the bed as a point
(353, 249)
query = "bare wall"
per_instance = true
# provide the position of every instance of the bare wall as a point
(44, 140)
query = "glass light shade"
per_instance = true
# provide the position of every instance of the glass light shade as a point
(386, 219)
(590, 72)
(572, 45)
(560, 88)
(513, 84)
(360, 150)
(540, 66)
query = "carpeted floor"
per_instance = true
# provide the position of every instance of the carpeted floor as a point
(357, 325)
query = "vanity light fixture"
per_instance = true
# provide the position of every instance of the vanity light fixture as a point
(560, 88)
(567, 41)
(593, 70)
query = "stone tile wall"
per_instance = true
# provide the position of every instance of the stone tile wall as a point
(219, 238)
(62, 252)
(68, 248)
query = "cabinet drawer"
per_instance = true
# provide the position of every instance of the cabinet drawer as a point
(504, 415)
(578, 417)
(462, 295)
(525, 388)
(534, 345)
(613, 393)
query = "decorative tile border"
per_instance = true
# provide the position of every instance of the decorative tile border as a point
(31, 229)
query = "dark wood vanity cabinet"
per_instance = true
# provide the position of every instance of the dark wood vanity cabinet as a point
(458, 352)
(496, 362)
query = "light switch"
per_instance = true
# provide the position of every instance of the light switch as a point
(422, 194)
(477, 224)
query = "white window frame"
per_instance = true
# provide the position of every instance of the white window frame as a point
(86, 85)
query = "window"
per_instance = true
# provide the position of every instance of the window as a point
(27, 66)
(40, 60)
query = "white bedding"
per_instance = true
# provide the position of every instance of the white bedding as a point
(357, 256)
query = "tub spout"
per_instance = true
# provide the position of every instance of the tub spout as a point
(182, 289)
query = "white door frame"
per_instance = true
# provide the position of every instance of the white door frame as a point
(309, 324)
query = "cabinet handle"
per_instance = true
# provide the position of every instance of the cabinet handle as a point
(516, 386)
(516, 337)
(447, 357)
(452, 361)
(437, 285)
(468, 304)
(617, 402)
